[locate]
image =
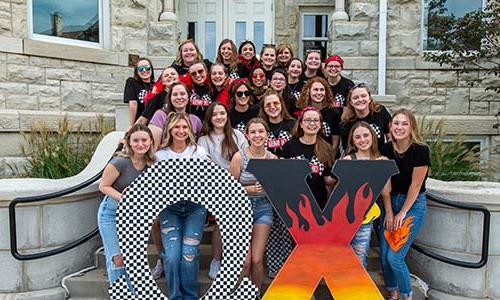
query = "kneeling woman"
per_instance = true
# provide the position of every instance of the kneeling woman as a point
(137, 155)
(181, 223)
(256, 132)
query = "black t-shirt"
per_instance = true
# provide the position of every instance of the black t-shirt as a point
(331, 123)
(340, 91)
(378, 120)
(278, 136)
(200, 100)
(415, 156)
(239, 119)
(154, 104)
(135, 91)
(290, 102)
(232, 73)
(295, 149)
(294, 89)
(304, 78)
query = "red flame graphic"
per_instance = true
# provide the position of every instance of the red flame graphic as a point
(336, 232)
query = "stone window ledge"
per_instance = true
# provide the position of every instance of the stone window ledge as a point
(60, 51)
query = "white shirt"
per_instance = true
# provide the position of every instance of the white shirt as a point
(191, 151)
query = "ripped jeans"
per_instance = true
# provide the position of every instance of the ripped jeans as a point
(181, 233)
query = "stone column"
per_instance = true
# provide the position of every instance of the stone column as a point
(168, 13)
(340, 13)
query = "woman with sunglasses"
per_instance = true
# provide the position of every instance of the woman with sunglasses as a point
(285, 55)
(316, 93)
(221, 142)
(198, 83)
(362, 107)
(136, 87)
(228, 56)
(258, 82)
(278, 83)
(241, 107)
(295, 80)
(246, 56)
(268, 59)
(312, 61)
(339, 84)
(273, 111)
(187, 54)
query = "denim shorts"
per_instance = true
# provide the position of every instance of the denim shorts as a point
(262, 210)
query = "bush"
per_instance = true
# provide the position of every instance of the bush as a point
(61, 153)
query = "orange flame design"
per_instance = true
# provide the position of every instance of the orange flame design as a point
(397, 238)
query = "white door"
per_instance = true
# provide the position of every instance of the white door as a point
(209, 22)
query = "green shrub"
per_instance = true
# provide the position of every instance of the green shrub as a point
(61, 153)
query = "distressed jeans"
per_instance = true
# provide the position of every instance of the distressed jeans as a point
(394, 268)
(361, 242)
(181, 233)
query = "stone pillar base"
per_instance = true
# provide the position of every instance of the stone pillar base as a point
(57, 293)
(438, 295)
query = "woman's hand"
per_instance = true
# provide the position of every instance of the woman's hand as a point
(389, 221)
(399, 219)
(258, 187)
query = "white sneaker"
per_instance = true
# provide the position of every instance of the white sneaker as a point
(214, 269)
(157, 270)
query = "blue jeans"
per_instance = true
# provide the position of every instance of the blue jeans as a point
(181, 233)
(396, 273)
(361, 242)
(106, 220)
(262, 210)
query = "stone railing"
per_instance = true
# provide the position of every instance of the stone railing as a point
(48, 225)
(457, 234)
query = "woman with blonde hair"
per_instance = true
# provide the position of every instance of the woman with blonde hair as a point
(187, 54)
(285, 55)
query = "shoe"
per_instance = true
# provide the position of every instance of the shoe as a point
(157, 270)
(214, 269)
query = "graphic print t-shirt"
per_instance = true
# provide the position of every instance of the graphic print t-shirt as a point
(295, 149)
(331, 123)
(200, 100)
(135, 91)
(239, 119)
(340, 91)
(278, 136)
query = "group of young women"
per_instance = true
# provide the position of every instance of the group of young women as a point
(246, 107)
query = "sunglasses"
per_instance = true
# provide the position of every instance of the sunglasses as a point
(258, 76)
(143, 68)
(313, 51)
(268, 45)
(241, 93)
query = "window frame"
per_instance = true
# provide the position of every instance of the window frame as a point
(104, 25)
(312, 11)
(423, 29)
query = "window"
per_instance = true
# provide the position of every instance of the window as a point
(210, 36)
(73, 22)
(314, 33)
(436, 12)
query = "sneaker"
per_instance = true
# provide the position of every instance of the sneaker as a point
(214, 269)
(157, 270)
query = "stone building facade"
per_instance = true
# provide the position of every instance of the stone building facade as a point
(42, 79)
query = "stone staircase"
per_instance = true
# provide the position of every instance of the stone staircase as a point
(93, 285)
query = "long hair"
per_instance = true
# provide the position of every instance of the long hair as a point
(301, 64)
(267, 46)
(136, 74)
(169, 106)
(256, 121)
(149, 157)
(349, 113)
(322, 149)
(234, 89)
(178, 59)
(319, 72)
(173, 118)
(415, 136)
(226, 81)
(284, 112)
(351, 148)
(228, 144)
(233, 64)
(305, 94)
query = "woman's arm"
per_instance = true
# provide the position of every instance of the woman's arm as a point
(109, 176)
(157, 132)
(132, 111)
(417, 180)
(235, 170)
(386, 200)
(335, 143)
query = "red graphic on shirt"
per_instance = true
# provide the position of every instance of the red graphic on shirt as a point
(276, 143)
(200, 102)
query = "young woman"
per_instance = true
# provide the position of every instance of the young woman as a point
(228, 56)
(258, 82)
(295, 82)
(273, 111)
(312, 61)
(220, 82)
(339, 85)
(158, 94)
(200, 93)
(241, 108)
(136, 87)
(187, 54)
(285, 55)
(221, 143)
(316, 93)
(137, 155)
(278, 83)
(268, 60)
(363, 145)
(256, 133)
(362, 107)
(405, 212)
(246, 56)
(176, 101)
(181, 223)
